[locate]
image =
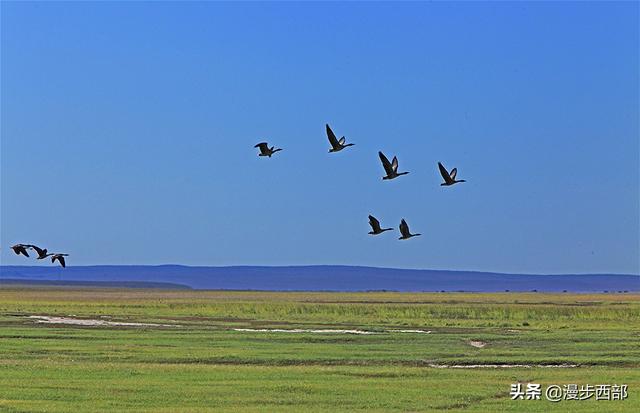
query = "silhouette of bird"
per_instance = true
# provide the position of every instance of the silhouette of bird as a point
(375, 226)
(21, 249)
(391, 168)
(449, 177)
(404, 230)
(42, 253)
(60, 258)
(265, 150)
(336, 145)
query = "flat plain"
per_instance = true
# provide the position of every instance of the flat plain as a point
(199, 351)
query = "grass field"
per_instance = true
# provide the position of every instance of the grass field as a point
(199, 361)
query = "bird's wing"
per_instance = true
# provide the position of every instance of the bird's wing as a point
(453, 173)
(60, 258)
(375, 224)
(23, 251)
(385, 163)
(394, 164)
(444, 173)
(264, 147)
(332, 137)
(342, 141)
(404, 228)
(38, 250)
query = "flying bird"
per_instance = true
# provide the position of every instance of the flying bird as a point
(375, 226)
(265, 150)
(42, 253)
(404, 230)
(21, 249)
(336, 145)
(449, 177)
(391, 168)
(60, 258)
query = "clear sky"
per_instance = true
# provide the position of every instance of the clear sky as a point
(128, 133)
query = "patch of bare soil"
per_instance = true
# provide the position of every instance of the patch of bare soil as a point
(91, 323)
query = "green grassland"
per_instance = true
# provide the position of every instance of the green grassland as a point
(197, 362)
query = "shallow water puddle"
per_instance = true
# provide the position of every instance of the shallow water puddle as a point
(501, 366)
(411, 331)
(324, 331)
(299, 330)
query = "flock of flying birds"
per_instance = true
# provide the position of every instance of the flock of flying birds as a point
(21, 249)
(390, 168)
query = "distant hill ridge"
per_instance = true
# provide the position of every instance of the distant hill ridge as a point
(91, 284)
(324, 278)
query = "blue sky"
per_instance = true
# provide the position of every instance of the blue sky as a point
(128, 133)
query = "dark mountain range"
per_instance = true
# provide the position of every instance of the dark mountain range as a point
(323, 278)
